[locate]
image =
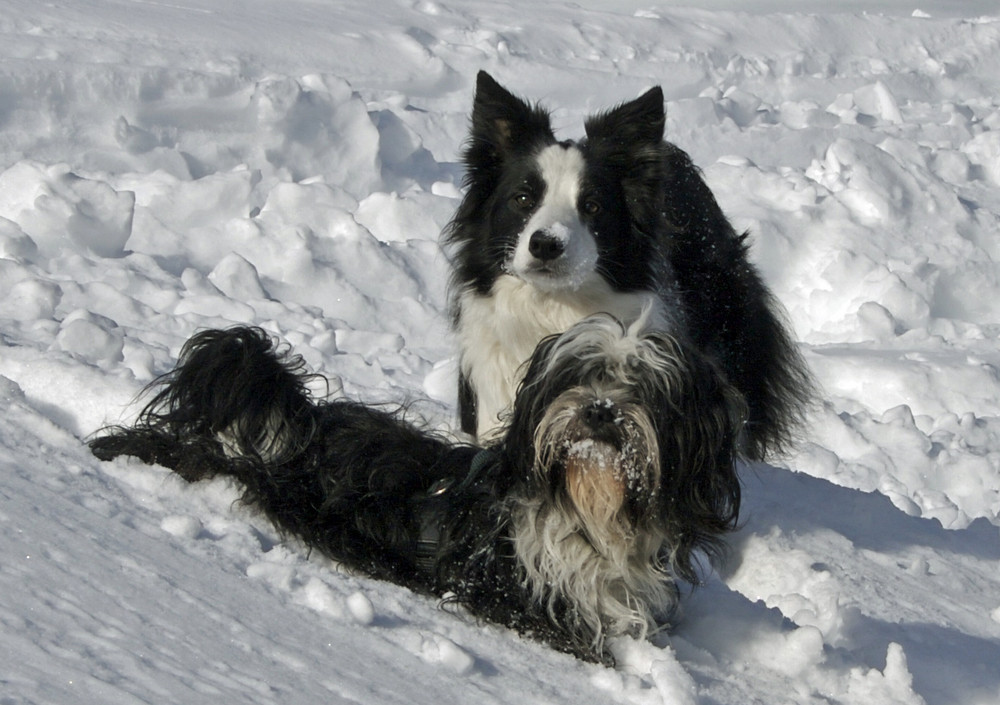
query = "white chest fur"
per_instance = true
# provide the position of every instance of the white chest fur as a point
(497, 333)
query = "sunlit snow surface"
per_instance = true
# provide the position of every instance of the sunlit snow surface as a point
(166, 167)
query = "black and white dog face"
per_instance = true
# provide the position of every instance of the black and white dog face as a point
(630, 438)
(627, 439)
(553, 245)
(600, 385)
(559, 215)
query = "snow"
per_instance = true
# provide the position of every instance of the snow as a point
(166, 167)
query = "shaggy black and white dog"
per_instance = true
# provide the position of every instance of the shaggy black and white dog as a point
(614, 473)
(551, 231)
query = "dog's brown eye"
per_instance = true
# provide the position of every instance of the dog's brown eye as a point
(591, 207)
(524, 201)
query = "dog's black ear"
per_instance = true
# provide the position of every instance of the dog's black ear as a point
(637, 123)
(629, 139)
(502, 122)
(534, 394)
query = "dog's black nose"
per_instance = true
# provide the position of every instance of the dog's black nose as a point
(545, 247)
(600, 414)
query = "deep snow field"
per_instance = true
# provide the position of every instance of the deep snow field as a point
(171, 166)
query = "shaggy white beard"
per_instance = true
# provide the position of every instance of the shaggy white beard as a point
(619, 591)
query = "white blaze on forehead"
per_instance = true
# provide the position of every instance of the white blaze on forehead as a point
(561, 170)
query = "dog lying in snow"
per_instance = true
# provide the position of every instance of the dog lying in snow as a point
(615, 466)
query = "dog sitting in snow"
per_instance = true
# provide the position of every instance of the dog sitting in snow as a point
(615, 467)
(621, 222)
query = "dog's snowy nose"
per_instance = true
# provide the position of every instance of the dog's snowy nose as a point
(600, 414)
(544, 246)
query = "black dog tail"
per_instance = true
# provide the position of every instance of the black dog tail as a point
(232, 397)
(339, 475)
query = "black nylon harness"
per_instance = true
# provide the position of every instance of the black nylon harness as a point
(426, 550)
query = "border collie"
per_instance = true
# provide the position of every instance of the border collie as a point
(552, 231)
(615, 469)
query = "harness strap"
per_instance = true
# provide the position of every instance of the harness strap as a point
(425, 553)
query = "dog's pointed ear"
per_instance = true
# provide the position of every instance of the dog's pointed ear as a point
(501, 121)
(629, 139)
(637, 122)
